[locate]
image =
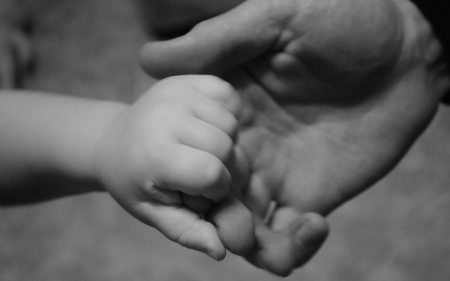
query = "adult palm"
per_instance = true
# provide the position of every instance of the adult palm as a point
(336, 92)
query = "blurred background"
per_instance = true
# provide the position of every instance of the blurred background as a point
(398, 230)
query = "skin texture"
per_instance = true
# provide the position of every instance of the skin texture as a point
(167, 159)
(335, 92)
(174, 142)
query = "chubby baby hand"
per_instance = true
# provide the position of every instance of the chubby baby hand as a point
(170, 156)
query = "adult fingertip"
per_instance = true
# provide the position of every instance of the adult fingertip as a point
(281, 252)
(280, 271)
(284, 273)
(314, 230)
(274, 251)
(309, 238)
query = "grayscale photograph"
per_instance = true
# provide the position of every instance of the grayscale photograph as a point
(224, 140)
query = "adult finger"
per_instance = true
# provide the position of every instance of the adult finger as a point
(285, 238)
(281, 251)
(221, 43)
(235, 225)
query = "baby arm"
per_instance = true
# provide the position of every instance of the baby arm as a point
(159, 157)
(46, 143)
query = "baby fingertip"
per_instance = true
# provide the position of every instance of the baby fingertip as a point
(216, 256)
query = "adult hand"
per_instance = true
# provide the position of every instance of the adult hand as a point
(336, 91)
(169, 18)
(15, 48)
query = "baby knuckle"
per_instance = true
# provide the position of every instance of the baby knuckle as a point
(226, 92)
(171, 80)
(214, 79)
(212, 170)
(227, 149)
(214, 174)
(232, 127)
(169, 87)
(231, 101)
(220, 145)
(212, 84)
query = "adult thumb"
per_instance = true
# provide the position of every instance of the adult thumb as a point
(221, 43)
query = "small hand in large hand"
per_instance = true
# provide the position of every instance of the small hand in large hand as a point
(336, 92)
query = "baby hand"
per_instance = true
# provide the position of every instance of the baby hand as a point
(175, 144)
